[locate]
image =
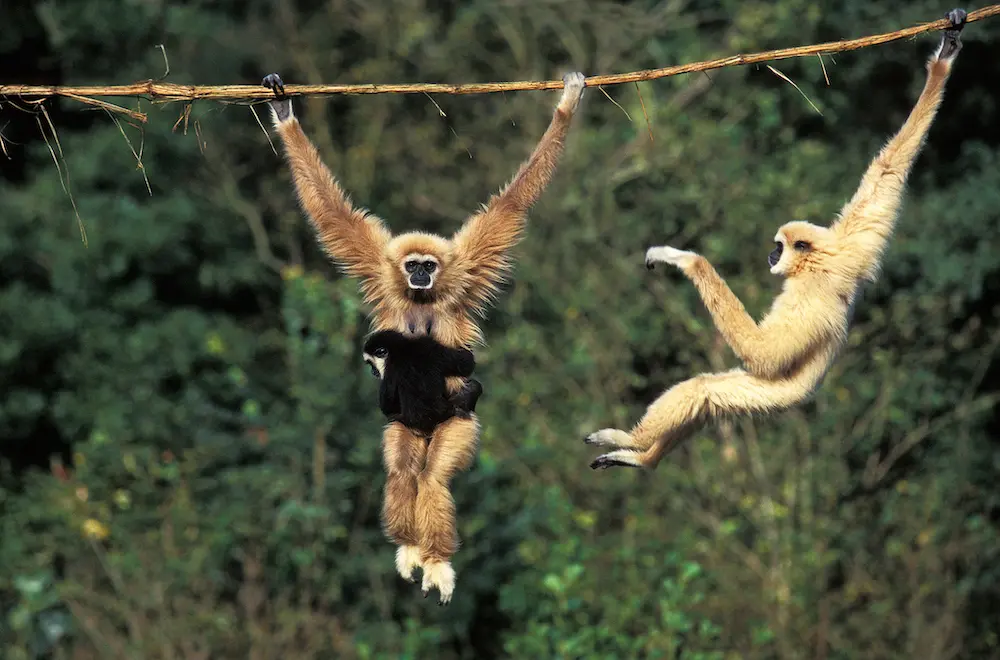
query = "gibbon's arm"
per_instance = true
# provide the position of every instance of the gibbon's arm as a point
(388, 398)
(458, 362)
(352, 237)
(868, 219)
(482, 244)
(766, 350)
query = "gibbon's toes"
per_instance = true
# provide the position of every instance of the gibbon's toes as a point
(573, 85)
(274, 83)
(407, 561)
(441, 576)
(614, 459)
(608, 438)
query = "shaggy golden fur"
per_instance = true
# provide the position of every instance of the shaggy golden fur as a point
(419, 512)
(787, 354)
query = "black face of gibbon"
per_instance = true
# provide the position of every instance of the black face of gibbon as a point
(413, 371)
(420, 273)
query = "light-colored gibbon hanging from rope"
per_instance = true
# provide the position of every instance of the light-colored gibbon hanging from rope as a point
(786, 356)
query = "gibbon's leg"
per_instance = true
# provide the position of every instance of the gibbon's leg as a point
(351, 237)
(686, 407)
(452, 450)
(483, 242)
(404, 454)
(868, 219)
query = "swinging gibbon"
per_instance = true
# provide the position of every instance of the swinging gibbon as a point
(419, 283)
(412, 371)
(787, 354)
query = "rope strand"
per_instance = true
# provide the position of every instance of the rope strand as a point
(169, 92)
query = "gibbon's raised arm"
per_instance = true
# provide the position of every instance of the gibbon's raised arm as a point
(352, 237)
(866, 222)
(483, 242)
(766, 350)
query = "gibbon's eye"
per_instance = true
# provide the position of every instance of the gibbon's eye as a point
(411, 266)
(802, 246)
(430, 266)
(380, 352)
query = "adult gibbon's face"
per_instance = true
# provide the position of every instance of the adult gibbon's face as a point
(420, 259)
(420, 271)
(797, 246)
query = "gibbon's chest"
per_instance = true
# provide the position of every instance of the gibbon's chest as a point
(453, 329)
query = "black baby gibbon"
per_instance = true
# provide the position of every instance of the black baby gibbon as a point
(413, 370)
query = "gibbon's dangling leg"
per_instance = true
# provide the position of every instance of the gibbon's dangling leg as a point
(404, 454)
(452, 450)
(684, 408)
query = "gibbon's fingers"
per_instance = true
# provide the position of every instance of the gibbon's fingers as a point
(609, 438)
(950, 43)
(666, 254)
(573, 86)
(281, 107)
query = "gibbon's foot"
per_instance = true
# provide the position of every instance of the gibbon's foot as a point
(666, 254)
(620, 458)
(573, 84)
(281, 106)
(950, 43)
(609, 438)
(439, 575)
(407, 561)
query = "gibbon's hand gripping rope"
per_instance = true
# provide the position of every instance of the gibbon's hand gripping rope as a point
(167, 92)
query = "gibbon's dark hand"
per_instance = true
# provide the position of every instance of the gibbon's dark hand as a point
(281, 106)
(950, 44)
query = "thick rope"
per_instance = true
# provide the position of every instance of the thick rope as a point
(167, 92)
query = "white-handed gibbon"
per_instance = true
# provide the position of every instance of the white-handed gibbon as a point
(787, 354)
(412, 371)
(421, 283)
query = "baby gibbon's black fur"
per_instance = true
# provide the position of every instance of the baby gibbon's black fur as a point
(413, 371)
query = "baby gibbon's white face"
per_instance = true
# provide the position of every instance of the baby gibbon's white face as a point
(420, 270)
(377, 361)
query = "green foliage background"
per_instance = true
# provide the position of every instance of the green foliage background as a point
(191, 443)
